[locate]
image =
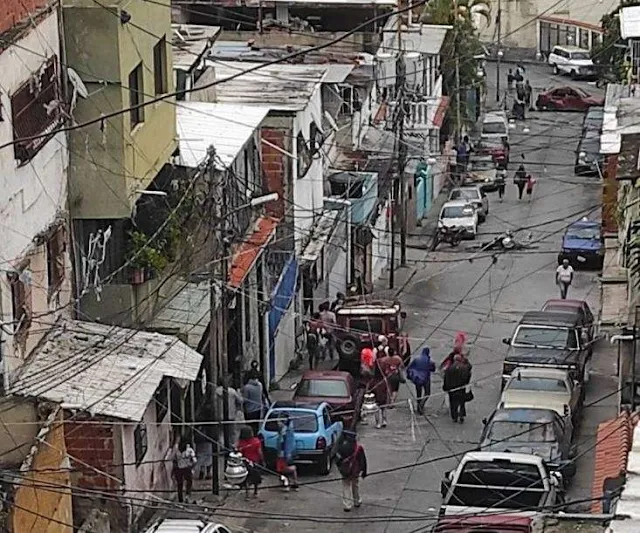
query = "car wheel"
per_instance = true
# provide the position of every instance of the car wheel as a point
(574, 74)
(482, 218)
(348, 346)
(324, 465)
(556, 70)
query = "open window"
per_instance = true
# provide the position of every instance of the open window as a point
(56, 248)
(140, 442)
(36, 111)
(20, 303)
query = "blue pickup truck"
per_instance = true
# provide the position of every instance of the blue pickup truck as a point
(582, 245)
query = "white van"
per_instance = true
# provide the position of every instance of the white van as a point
(495, 126)
(185, 525)
(571, 60)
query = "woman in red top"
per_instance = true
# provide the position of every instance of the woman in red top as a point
(251, 449)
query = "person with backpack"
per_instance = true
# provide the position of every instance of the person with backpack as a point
(520, 179)
(352, 463)
(456, 378)
(184, 460)
(313, 341)
(419, 373)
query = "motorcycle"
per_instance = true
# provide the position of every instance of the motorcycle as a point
(451, 235)
(506, 242)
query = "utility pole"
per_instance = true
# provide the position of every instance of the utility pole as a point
(402, 162)
(499, 24)
(458, 114)
(215, 244)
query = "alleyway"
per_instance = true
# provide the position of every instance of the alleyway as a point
(448, 291)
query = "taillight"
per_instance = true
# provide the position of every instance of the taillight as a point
(321, 443)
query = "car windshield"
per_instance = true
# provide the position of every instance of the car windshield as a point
(503, 431)
(457, 211)
(513, 486)
(580, 55)
(493, 128)
(537, 384)
(303, 421)
(325, 388)
(580, 91)
(547, 337)
(482, 164)
(584, 233)
(366, 325)
(464, 194)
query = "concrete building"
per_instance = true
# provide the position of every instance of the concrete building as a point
(34, 237)
(118, 442)
(114, 161)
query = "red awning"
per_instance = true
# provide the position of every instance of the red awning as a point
(245, 256)
(438, 117)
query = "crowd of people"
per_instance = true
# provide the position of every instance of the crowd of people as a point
(521, 90)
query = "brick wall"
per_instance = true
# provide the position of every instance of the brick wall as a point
(14, 11)
(274, 168)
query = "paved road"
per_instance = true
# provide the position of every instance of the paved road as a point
(454, 291)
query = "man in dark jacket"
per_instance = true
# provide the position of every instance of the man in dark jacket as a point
(352, 463)
(456, 378)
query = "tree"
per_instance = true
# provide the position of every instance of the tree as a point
(462, 43)
(606, 55)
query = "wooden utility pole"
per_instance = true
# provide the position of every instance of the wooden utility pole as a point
(499, 24)
(458, 113)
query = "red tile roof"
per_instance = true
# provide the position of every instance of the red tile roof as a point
(248, 252)
(613, 443)
(438, 116)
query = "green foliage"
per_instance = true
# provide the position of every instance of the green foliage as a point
(608, 56)
(147, 254)
(462, 42)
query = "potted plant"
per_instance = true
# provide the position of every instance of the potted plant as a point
(145, 256)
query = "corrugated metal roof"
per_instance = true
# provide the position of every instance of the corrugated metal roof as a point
(322, 230)
(427, 39)
(225, 126)
(337, 73)
(106, 370)
(630, 22)
(190, 42)
(186, 311)
(245, 256)
(281, 87)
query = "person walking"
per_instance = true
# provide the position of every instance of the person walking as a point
(381, 388)
(564, 278)
(252, 395)
(338, 302)
(328, 318)
(530, 183)
(510, 79)
(456, 378)
(254, 373)
(396, 376)
(352, 463)
(500, 183)
(235, 406)
(419, 373)
(528, 91)
(184, 460)
(250, 447)
(313, 342)
(520, 179)
(286, 452)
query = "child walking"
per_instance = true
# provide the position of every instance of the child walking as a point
(530, 183)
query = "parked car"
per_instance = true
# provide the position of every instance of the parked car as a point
(472, 194)
(589, 160)
(582, 245)
(488, 483)
(567, 99)
(593, 119)
(360, 323)
(460, 213)
(338, 389)
(316, 433)
(482, 172)
(587, 320)
(576, 62)
(544, 388)
(548, 340)
(495, 126)
(496, 148)
(186, 525)
(540, 432)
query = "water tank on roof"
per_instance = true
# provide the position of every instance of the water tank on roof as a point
(385, 67)
(413, 69)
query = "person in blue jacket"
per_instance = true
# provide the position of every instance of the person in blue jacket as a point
(419, 373)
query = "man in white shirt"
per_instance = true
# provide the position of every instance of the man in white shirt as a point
(564, 277)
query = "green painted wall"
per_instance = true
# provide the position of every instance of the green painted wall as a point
(109, 163)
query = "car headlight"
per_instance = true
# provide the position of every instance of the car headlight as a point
(487, 180)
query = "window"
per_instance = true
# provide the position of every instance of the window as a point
(302, 421)
(161, 399)
(521, 432)
(324, 388)
(20, 303)
(546, 337)
(160, 67)
(56, 247)
(35, 110)
(304, 156)
(140, 443)
(366, 325)
(538, 384)
(136, 96)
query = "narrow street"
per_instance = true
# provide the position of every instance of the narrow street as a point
(462, 290)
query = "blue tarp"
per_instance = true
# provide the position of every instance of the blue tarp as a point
(281, 299)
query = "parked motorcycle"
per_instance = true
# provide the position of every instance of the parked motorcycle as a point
(451, 235)
(506, 242)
